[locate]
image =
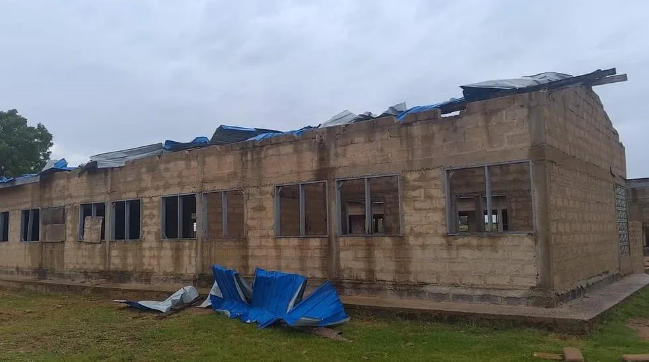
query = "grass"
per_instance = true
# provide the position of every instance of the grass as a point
(35, 327)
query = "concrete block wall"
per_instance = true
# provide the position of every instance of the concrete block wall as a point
(584, 160)
(422, 262)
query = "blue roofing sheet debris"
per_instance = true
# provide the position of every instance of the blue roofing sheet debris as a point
(51, 166)
(263, 136)
(276, 296)
(418, 109)
(231, 134)
(170, 145)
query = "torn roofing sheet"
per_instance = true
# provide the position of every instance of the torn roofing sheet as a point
(231, 134)
(230, 294)
(483, 90)
(322, 308)
(170, 145)
(119, 158)
(50, 167)
(183, 296)
(276, 296)
(20, 180)
(55, 166)
(500, 88)
(418, 109)
(346, 117)
(263, 136)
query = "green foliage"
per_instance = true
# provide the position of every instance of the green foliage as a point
(23, 149)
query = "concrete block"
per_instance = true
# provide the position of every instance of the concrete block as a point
(572, 354)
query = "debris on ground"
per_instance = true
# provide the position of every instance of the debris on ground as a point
(572, 354)
(549, 356)
(641, 327)
(275, 297)
(635, 358)
(184, 297)
(326, 333)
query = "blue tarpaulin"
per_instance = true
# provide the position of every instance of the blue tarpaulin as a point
(276, 296)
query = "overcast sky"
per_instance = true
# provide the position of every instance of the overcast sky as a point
(112, 74)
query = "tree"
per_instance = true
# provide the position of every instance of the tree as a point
(23, 149)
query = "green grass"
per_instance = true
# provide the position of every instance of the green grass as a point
(35, 327)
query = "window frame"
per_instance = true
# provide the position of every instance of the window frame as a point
(30, 225)
(224, 211)
(93, 213)
(163, 214)
(369, 221)
(4, 221)
(451, 213)
(302, 208)
(127, 214)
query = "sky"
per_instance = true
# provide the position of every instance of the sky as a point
(107, 75)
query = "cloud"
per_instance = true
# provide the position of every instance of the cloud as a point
(107, 75)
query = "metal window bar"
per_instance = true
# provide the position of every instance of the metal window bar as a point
(81, 223)
(302, 209)
(163, 218)
(302, 204)
(30, 225)
(488, 190)
(179, 221)
(368, 202)
(451, 224)
(368, 207)
(224, 213)
(3, 216)
(127, 218)
(450, 207)
(400, 204)
(202, 216)
(278, 189)
(110, 208)
(339, 224)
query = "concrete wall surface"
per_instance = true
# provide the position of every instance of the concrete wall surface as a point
(375, 220)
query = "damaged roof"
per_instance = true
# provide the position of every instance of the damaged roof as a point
(232, 134)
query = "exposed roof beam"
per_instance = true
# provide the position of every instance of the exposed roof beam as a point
(608, 80)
